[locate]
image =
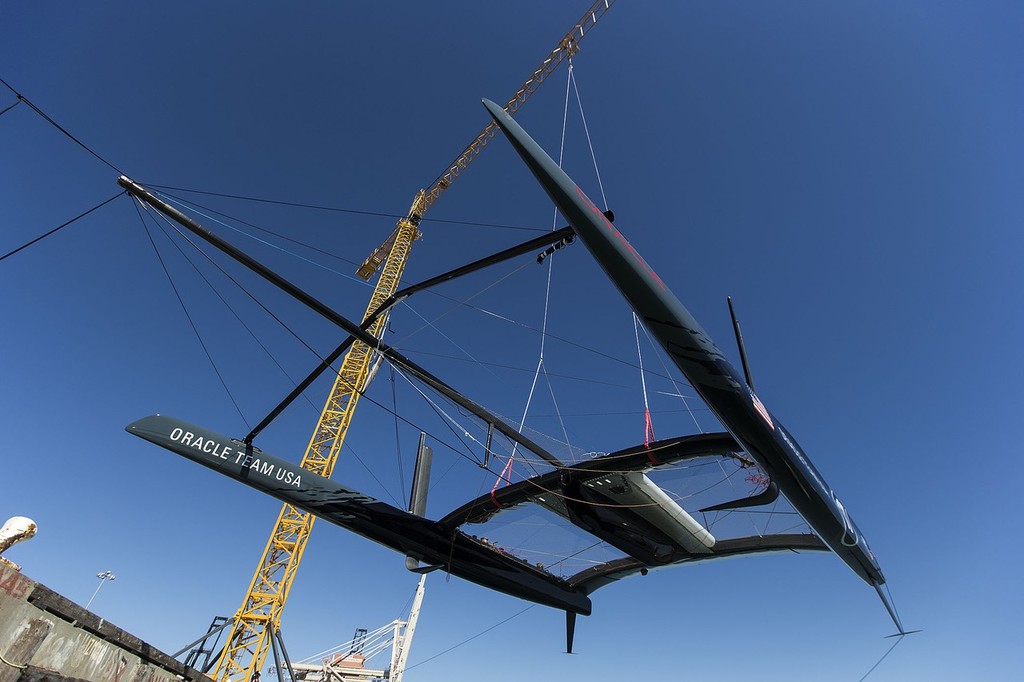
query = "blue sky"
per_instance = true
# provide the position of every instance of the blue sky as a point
(849, 173)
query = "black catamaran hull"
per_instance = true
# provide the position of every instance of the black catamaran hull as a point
(428, 541)
(723, 388)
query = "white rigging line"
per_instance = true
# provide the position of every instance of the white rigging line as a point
(193, 209)
(771, 514)
(506, 473)
(369, 645)
(604, 199)
(586, 130)
(547, 300)
(648, 426)
(443, 413)
(464, 430)
(431, 325)
(675, 384)
(456, 304)
(570, 85)
(558, 412)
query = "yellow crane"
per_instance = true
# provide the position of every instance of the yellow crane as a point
(254, 625)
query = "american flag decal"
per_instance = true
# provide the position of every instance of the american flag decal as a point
(759, 406)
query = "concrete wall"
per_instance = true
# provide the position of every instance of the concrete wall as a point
(45, 637)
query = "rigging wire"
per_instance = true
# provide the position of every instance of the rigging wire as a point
(336, 209)
(414, 425)
(465, 302)
(554, 403)
(428, 323)
(884, 656)
(398, 440)
(59, 227)
(586, 130)
(470, 639)
(576, 553)
(374, 476)
(570, 81)
(771, 514)
(431, 323)
(284, 325)
(265, 242)
(197, 205)
(238, 284)
(22, 98)
(451, 422)
(231, 309)
(184, 309)
(369, 470)
(506, 473)
(562, 339)
(892, 602)
(675, 384)
(192, 205)
(9, 107)
(648, 426)
(726, 478)
(498, 365)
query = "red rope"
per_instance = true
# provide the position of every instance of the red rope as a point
(505, 473)
(649, 436)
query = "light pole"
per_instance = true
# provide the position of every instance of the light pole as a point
(104, 577)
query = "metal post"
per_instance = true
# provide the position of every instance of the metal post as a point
(104, 577)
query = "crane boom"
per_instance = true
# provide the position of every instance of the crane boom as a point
(398, 661)
(260, 614)
(565, 49)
